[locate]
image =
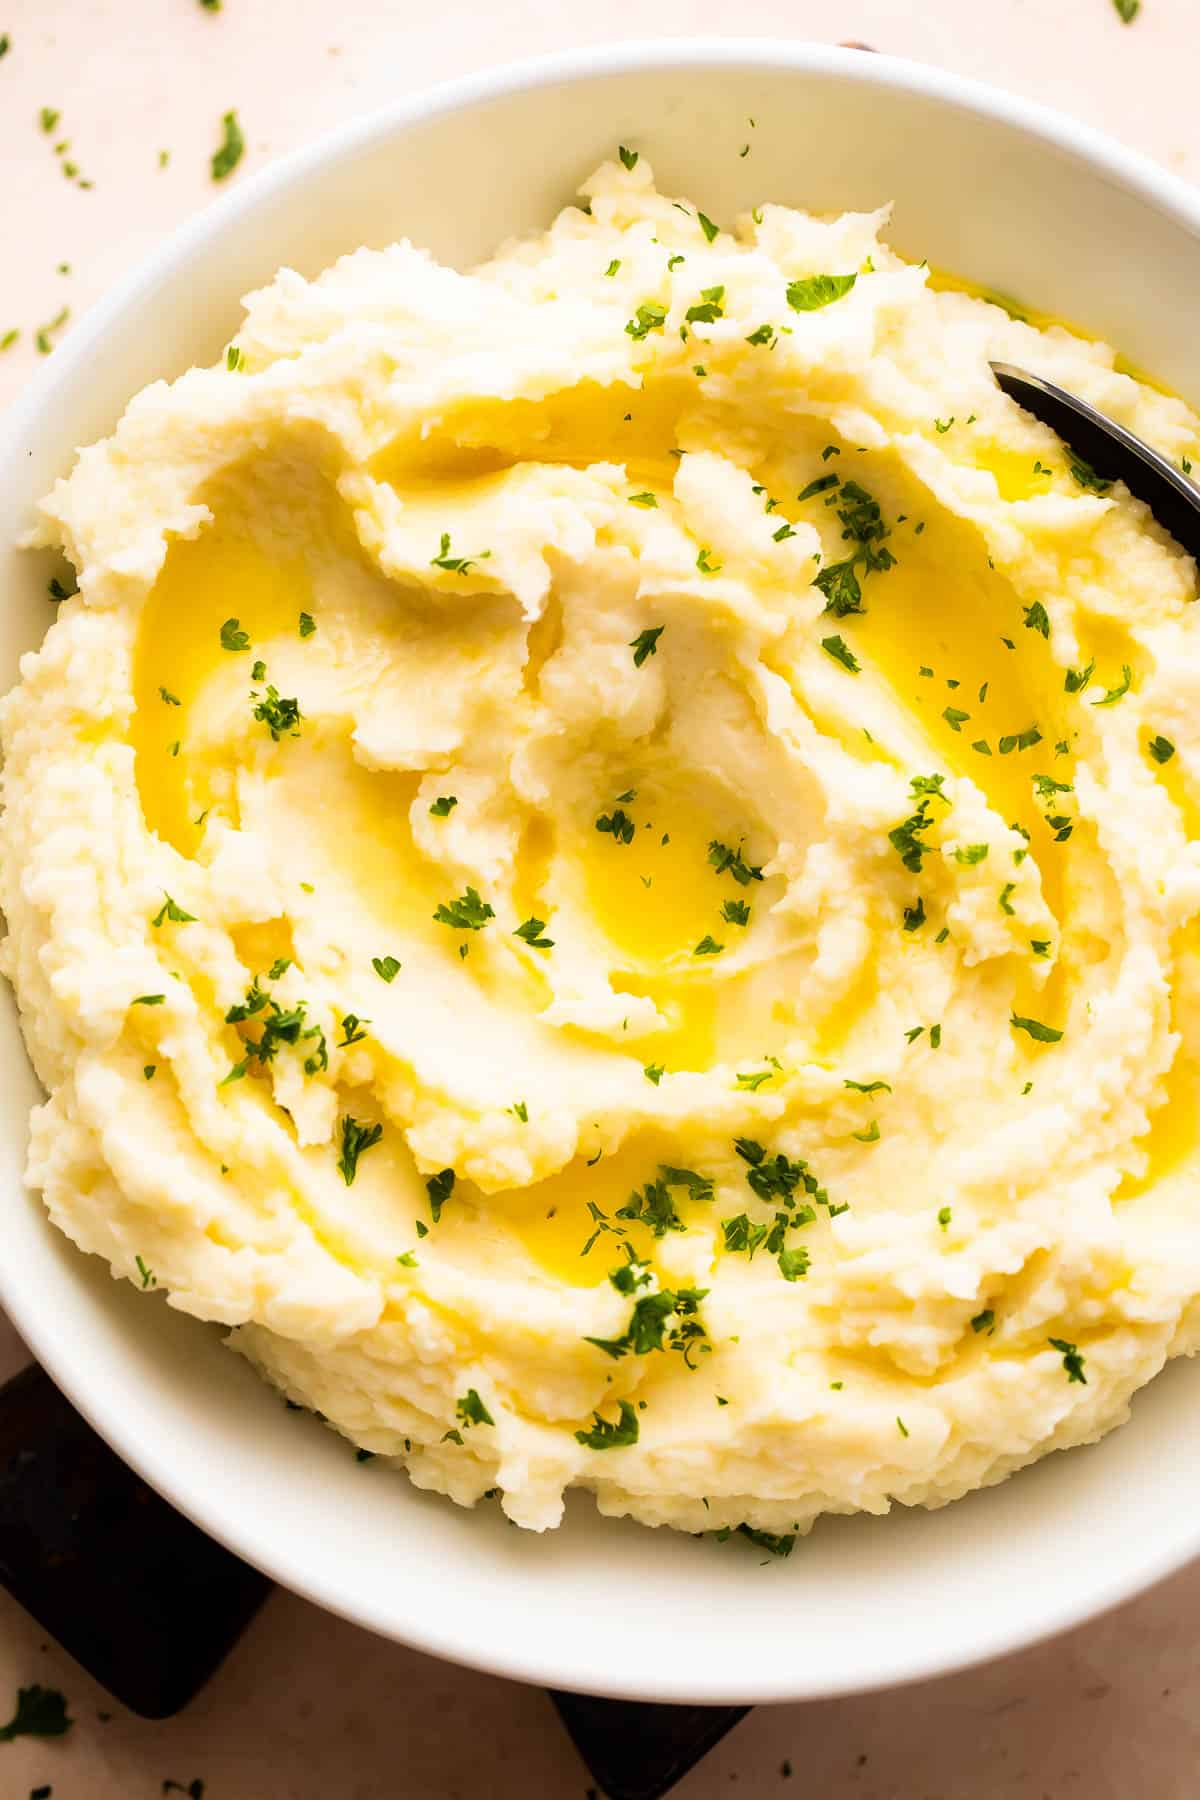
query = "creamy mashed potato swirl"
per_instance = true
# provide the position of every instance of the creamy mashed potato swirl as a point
(604, 869)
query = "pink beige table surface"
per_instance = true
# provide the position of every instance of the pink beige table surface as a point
(309, 1708)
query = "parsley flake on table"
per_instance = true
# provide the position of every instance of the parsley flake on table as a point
(229, 153)
(645, 644)
(467, 913)
(814, 291)
(40, 1712)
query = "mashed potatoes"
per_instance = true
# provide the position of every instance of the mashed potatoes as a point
(604, 868)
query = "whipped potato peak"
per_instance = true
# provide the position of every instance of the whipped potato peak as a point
(603, 869)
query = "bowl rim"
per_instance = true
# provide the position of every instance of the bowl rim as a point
(1131, 170)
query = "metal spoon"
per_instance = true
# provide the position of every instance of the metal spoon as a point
(1114, 453)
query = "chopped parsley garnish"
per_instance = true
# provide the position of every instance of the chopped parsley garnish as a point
(871, 1134)
(1072, 1359)
(443, 806)
(1117, 693)
(1043, 1034)
(258, 671)
(840, 652)
(279, 968)
(644, 1332)
(356, 1139)
(613, 266)
(983, 1321)
(355, 1030)
(229, 155)
(470, 1410)
(1006, 893)
(970, 854)
(41, 1712)
(840, 586)
(868, 1087)
(646, 499)
(1161, 749)
(763, 334)
(650, 316)
(233, 637)
(307, 625)
(942, 426)
(708, 946)
(914, 916)
(742, 1235)
(653, 1206)
(278, 714)
(150, 1071)
(753, 1081)
(707, 227)
(614, 1436)
(617, 825)
(815, 291)
(456, 565)
(817, 486)
(906, 837)
(148, 1000)
(794, 1264)
(148, 1277)
(1077, 679)
(234, 360)
(467, 913)
(172, 911)
(628, 157)
(1037, 618)
(708, 308)
(944, 1217)
(531, 930)
(935, 1037)
(955, 717)
(731, 862)
(1083, 472)
(1020, 740)
(735, 912)
(763, 1540)
(439, 1187)
(903, 1428)
(645, 644)
(168, 698)
(654, 1073)
(520, 1111)
(705, 563)
(10, 337)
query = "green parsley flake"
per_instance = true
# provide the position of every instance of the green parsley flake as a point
(613, 266)
(983, 1321)
(654, 1072)
(628, 157)
(1042, 1034)
(708, 308)
(467, 913)
(646, 499)
(944, 1217)
(233, 637)
(531, 930)
(971, 854)
(227, 157)
(1117, 693)
(1072, 1360)
(148, 1277)
(1161, 749)
(307, 625)
(935, 1037)
(615, 1436)
(726, 861)
(40, 1712)
(470, 1410)
(705, 563)
(707, 227)
(148, 1000)
(1037, 619)
(279, 715)
(386, 967)
(443, 806)
(837, 648)
(735, 912)
(439, 1187)
(357, 1138)
(617, 824)
(708, 946)
(455, 565)
(645, 644)
(815, 291)
(650, 316)
(175, 913)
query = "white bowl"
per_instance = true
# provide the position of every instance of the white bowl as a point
(984, 185)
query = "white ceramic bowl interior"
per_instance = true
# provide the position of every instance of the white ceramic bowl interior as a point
(985, 186)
